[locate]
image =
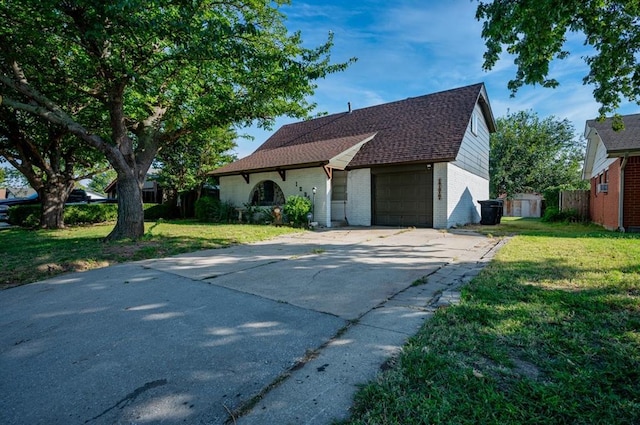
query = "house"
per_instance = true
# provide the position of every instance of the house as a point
(152, 192)
(16, 192)
(612, 164)
(422, 161)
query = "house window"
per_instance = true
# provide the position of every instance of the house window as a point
(339, 186)
(606, 176)
(266, 193)
(474, 124)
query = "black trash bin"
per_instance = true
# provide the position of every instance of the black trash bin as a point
(500, 208)
(490, 212)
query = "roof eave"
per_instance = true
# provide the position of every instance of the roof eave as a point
(392, 164)
(483, 101)
(623, 152)
(270, 169)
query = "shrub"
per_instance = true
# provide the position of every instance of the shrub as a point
(25, 215)
(213, 210)
(154, 212)
(29, 215)
(254, 214)
(553, 215)
(296, 209)
(90, 213)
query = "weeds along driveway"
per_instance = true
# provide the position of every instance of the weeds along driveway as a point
(193, 338)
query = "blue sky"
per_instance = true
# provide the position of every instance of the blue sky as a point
(411, 48)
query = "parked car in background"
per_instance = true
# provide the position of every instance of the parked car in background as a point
(77, 196)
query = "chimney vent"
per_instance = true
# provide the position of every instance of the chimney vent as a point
(349, 106)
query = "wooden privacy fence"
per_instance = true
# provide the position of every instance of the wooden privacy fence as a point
(575, 200)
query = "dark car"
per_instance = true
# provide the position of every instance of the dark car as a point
(77, 196)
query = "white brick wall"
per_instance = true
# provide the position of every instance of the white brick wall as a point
(440, 212)
(464, 190)
(455, 193)
(460, 192)
(234, 189)
(358, 211)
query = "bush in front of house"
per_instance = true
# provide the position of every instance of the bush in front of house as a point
(296, 209)
(154, 212)
(209, 209)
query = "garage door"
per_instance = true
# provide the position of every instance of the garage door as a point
(403, 198)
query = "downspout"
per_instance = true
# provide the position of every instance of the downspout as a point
(621, 194)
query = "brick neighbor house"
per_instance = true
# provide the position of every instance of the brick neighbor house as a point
(423, 161)
(612, 164)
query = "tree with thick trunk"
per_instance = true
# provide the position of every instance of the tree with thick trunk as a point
(50, 160)
(152, 73)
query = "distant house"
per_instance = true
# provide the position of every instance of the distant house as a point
(152, 192)
(16, 192)
(612, 164)
(423, 161)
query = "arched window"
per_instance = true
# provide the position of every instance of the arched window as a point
(266, 193)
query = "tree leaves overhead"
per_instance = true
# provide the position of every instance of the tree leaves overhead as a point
(152, 72)
(533, 155)
(535, 31)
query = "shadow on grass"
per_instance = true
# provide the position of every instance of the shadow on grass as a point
(29, 256)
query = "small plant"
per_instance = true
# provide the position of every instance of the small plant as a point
(296, 209)
(254, 214)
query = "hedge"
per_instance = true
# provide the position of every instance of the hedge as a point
(29, 215)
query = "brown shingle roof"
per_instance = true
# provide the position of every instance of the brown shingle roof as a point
(619, 141)
(428, 128)
(283, 157)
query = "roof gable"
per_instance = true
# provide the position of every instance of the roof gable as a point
(617, 142)
(428, 128)
(313, 153)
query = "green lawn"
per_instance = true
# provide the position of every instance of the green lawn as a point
(548, 333)
(32, 255)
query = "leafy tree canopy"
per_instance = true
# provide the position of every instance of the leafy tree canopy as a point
(151, 73)
(529, 154)
(535, 31)
(186, 164)
(49, 157)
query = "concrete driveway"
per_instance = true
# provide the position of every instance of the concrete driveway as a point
(280, 331)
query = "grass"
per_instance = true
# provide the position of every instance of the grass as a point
(548, 333)
(32, 255)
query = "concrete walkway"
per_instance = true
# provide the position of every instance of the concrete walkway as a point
(281, 331)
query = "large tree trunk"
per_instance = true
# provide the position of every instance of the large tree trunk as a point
(53, 197)
(130, 223)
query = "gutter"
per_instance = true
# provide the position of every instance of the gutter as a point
(621, 194)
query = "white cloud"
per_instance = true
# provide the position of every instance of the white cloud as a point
(408, 48)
